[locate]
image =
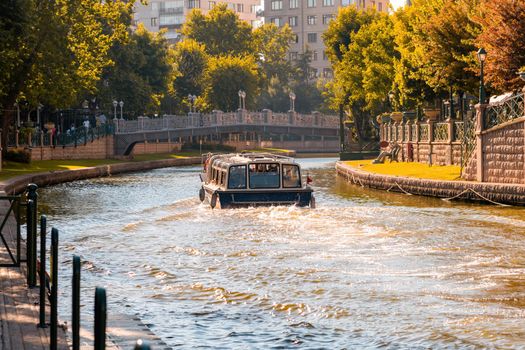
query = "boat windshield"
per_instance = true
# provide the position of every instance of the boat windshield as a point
(264, 175)
(291, 176)
(237, 177)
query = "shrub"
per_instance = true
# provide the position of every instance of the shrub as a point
(19, 155)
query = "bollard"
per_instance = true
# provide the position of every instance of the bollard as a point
(42, 272)
(30, 243)
(142, 345)
(100, 318)
(76, 303)
(54, 288)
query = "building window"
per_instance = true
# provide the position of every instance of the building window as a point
(313, 73)
(277, 5)
(240, 7)
(380, 6)
(277, 21)
(327, 73)
(292, 21)
(154, 21)
(293, 56)
(328, 2)
(312, 37)
(253, 9)
(211, 4)
(154, 6)
(325, 57)
(194, 4)
(314, 56)
(295, 38)
(294, 4)
(311, 3)
(327, 18)
(311, 20)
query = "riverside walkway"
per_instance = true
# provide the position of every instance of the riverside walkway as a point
(18, 303)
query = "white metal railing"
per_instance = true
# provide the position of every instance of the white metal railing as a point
(196, 120)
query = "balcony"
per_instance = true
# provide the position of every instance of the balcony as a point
(171, 10)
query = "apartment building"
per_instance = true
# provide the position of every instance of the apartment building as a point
(308, 19)
(171, 14)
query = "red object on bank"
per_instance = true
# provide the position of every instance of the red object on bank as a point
(309, 180)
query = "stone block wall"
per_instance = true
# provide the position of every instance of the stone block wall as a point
(503, 152)
(155, 147)
(101, 148)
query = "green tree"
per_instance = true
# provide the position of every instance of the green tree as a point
(272, 44)
(503, 37)
(189, 64)
(308, 96)
(225, 76)
(221, 31)
(57, 50)
(139, 76)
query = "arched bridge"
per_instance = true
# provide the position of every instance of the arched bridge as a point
(219, 126)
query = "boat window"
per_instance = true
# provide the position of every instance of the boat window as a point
(223, 177)
(264, 175)
(237, 178)
(291, 176)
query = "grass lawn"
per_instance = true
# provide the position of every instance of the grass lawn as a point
(419, 170)
(12, 169)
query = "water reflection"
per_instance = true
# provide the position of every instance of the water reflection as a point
(366, 269)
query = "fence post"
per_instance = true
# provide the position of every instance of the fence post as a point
(100, 318)
(54, 288)
(142, 345)
(76, 303)
(18, 233)
(42, 272)
(31, 259)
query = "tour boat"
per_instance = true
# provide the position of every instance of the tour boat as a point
(253, 179)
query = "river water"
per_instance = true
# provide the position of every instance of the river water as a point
(365, 270)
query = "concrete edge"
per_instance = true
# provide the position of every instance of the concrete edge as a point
(18, 184)
(513, 194)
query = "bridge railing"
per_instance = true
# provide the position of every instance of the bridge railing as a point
(218, 118)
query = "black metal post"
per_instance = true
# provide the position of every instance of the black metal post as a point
(31, 260)
(100, 318)
(18, 233)
(76, 303)
(54, 288)
(341, 129)
(42, 272)
(142, 345)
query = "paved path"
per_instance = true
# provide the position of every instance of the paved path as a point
(19, 304)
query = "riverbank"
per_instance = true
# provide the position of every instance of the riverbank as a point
(18, 184)
(465, 190)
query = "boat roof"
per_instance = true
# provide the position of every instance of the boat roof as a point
(244, 158)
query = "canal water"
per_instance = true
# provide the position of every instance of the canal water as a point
(365, 270)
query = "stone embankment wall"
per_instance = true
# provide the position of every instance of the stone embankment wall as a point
(499, 156)
(100, 148)
(299, 146)
(18, 184)
(501, 193)
(155, 147)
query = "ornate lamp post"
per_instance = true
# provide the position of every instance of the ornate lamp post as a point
(115, 104)
(192, 99)
(292, 101)
(121, 104)
(242, 99)
(482, 55)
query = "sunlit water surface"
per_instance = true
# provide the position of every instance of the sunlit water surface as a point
(366, 269)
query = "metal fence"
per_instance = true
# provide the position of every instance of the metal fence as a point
(502, 111)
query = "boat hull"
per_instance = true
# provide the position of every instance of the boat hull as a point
(233, 199)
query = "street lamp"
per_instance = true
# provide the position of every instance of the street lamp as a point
(115, 104)
(292, 101)
(242, 99)
(17, 114)
(121, 104)
(482, 55)
(192, 99)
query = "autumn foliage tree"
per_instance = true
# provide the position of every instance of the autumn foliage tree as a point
(503, 37)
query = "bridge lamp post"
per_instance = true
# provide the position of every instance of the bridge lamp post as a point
(482, 55)
(17, 114)
(115, 119)
(192, 99)
(242, 99)
(121, 104)
(292, 101)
